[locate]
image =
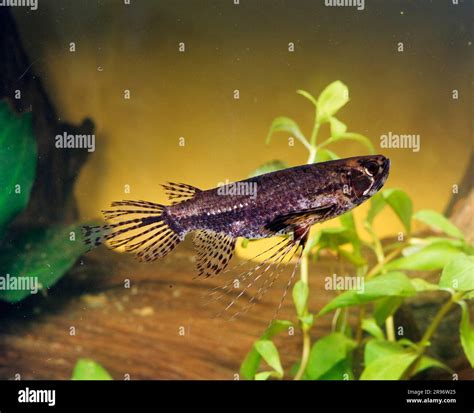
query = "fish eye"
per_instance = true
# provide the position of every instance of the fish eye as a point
(371, 168)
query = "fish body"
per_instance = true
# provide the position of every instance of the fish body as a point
(331, 188)
(288, 201)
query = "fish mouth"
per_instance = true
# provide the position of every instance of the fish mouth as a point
(380, 181)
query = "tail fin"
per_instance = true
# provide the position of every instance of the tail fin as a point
(139, 227)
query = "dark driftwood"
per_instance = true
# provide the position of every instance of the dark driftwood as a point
(136, 331)
(51, 198)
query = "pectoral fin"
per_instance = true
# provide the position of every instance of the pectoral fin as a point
(300, 219)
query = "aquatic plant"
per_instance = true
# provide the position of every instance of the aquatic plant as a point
(32, 260)
(386, 269)
(87, 369)
(18, 161)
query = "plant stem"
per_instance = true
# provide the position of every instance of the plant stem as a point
(304, 328)
(376, 269)
(382, 260)
(315, 131)
(359, 324)
(424, 342)
(312, 155)
(437, 319)
(361, 272)
(304, 269)
(303, 140)
(304, 261)
(377, 246)
(390, 328)
(304, 355)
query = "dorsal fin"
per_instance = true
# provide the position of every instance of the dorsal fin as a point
(214, 251)
(180, 192)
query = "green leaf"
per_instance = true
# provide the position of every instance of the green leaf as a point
(385, 285)
(307, 319)
(284, 124)
(326, 353)
(390, 367)
(469, 296)
(340, 371)
(350, 136)
(456, 243)
(408, 343)
(337, 127)
(250, 365)
(398, 200)
(377, 203)
(385, 307)
(269, 353)
(347, 221)
(276, 327)
(437, 221)
(308, 96)
(331, 99)
(43, 255)
(422, 285)
(323, 155)
(458, 274)
(18, 163)
(382, 349)
(300, 296)
(467, 333)
(432, 257)
(428, 362)
(354, 258)
(330, 238)
(370, 325)
(376, 349)
(418, 244)
(401, 204)
(272, 166)
(87, 369)
(264, 375)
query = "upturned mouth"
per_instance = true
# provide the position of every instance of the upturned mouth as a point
(383, 175)
(386, 166)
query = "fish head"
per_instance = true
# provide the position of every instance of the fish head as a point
(357, 179)
(365, 175)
